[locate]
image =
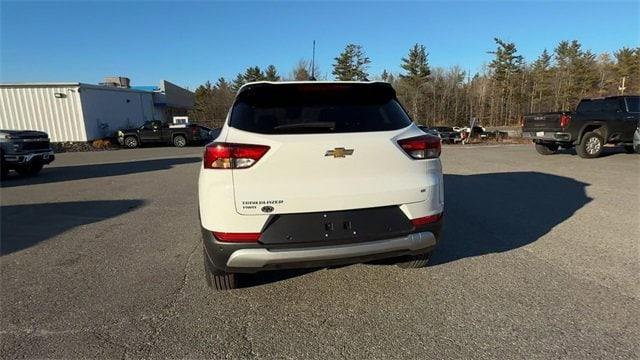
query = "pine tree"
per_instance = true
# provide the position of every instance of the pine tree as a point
(238, 82)
(415, 65)
(577, 74)
(223, 85)
(351, 64)
(415, 77)
(506, 69)
(271, 74)
(253, 74)
(541, 78)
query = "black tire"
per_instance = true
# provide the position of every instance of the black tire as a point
(29, 170)
(131, 142)
(179, 141)
(590, 146)
(546, 149)
(414, 261)
(4, 172)
(216, 279)
(629, 149)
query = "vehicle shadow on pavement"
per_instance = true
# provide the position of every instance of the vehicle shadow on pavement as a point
(79, 172)
(270, 277)
(606, 152)
(26, 225)
(492, 213)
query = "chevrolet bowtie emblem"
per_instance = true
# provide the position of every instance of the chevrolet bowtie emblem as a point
(339, 152)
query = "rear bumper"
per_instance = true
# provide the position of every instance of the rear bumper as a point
(548, 136)
(264, 258)
(255, 257)
(41, 157)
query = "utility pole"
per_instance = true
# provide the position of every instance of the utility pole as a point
(313, 62)
(470, 99)
(622, 87)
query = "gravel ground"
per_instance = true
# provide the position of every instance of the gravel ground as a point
(101, 258)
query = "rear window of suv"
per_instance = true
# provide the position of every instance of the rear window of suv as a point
(318, 108)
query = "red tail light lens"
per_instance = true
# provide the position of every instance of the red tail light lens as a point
(232, 156)
(565, 120)
(236, 237)
(421, 147)
(425, 220)
(522, 121)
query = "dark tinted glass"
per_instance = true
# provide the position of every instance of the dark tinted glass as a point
(313, 109)
(591, 106)
(612, 105)
(444, 128)
(633, 104)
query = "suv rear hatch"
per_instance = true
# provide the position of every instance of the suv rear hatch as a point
(331, 146)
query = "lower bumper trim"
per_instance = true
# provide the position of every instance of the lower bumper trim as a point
(44, 157)
(261, 258)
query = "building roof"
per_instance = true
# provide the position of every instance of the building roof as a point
(40, 84)
(71, 84)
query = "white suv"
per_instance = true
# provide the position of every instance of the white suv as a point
(311, 174)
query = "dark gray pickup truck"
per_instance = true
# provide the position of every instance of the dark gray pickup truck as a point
(156, 132)
(594, 123)
(24, 151)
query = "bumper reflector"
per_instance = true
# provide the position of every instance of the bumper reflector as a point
(236, 237)
(425, 220)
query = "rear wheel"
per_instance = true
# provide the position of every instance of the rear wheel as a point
(590, 146)
(546, 149)
(629, 149)
(131, 142)
(414, 261)
(179, 141)
(4, 171)
(216, 279)
(29, 170)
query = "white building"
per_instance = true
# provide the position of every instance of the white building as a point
(84, 112)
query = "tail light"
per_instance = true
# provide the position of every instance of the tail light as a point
(426, 220)
(232, 156)
(565, 120)
(236, 237)
(421, 147)
(522, 121)
(194, 130)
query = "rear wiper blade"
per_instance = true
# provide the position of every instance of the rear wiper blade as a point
(307, 125)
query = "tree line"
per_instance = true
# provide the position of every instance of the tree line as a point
(498, 95)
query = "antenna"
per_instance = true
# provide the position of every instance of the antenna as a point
(313, 62)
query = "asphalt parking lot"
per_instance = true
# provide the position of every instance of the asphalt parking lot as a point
(101, 257)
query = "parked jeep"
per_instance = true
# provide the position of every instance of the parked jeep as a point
(155, 132)
(596, 122)
(24, 151)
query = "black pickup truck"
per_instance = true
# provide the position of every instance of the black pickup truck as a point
(155, 132)
(594, 123)
(24, 151)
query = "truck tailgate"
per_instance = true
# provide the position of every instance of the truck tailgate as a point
(542, 122)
